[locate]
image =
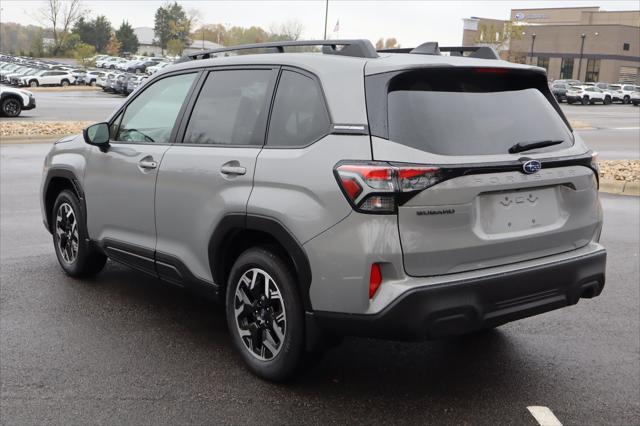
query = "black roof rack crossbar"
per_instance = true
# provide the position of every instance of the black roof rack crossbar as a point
(432, 48)
(481, 52)
(359, 48)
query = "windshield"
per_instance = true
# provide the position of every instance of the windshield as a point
(462, 112)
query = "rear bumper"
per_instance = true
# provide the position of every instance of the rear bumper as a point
(465, 306)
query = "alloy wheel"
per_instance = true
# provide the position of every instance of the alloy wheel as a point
(11, 108)
(261, 320)
(67, 233)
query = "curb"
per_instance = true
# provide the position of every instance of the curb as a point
(620, 187)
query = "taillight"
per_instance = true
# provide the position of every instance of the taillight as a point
(375, 187)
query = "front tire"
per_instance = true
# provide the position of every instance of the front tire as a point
(11, 107)
(626, 100)
(607, 100)
(77, 257)
(64, 83)
(265, 314)
(33, 83)
(585, 100)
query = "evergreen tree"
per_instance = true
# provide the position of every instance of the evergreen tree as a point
(127, 38)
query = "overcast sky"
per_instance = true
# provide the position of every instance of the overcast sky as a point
(411, 22)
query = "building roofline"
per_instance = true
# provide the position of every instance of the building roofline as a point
(583, 25)
(558, 8)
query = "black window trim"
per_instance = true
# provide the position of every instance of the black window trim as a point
(174, 130)
(205, 72)
(188, 111)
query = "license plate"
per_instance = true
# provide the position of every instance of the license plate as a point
(524, 211)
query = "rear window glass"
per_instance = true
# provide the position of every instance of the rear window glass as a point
(468, 112)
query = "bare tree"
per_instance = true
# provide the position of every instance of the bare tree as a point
(290, 30)
(60, 15)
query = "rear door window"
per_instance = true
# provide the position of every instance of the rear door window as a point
(299, 115)
(471, 112)
(232, 108)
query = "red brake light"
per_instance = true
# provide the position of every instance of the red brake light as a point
(375, 279)
(492, 70)
(352, 187)
(372, 187)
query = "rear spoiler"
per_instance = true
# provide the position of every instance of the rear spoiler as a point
(432, 48)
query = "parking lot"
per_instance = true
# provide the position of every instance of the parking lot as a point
(126, 345)
(124, 348)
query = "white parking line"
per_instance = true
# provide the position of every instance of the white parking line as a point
(625, 128)
(544, 416)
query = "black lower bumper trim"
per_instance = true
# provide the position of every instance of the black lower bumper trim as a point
(465, 306)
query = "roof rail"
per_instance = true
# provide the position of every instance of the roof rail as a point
(432, 48)
(358, 48)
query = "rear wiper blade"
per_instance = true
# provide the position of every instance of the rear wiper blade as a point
(526, 146)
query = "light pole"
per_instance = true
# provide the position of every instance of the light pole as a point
(533, 40)
(582, 36)
(326, 15)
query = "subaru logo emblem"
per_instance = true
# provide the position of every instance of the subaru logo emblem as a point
(531, 166)
(519, 16)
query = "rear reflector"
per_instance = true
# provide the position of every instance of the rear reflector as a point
(375, 279)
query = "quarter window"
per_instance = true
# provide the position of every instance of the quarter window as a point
(299, 115)
(232, 108)
(150, 117)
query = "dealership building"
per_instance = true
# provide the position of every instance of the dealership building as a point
(582, 43)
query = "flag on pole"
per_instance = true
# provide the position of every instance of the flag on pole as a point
(337, 27)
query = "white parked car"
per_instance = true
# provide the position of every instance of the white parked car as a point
(110, 62)
(635, 98)
(155, 68)
(627, 90)
(14, 101)
(48, 78)
(586, 95)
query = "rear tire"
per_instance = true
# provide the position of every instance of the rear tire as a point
(585, 100)
(607, 100)
(76, 255)
(626, 99)
(265, 315)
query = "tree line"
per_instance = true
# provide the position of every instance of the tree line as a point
(69, 31)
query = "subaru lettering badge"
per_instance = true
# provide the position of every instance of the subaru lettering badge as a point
(531, 166)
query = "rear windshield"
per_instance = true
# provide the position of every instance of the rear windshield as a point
(472, 112)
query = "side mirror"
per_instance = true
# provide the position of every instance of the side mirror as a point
(97, 134)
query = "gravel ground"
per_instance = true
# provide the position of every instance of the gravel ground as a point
(42, 128)
(621, 170)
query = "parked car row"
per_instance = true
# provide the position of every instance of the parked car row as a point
(574, 91)
(135, 64)
(120, 82)
(18, 71)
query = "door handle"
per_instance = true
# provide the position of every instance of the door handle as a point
(233, 170)
(147, 164)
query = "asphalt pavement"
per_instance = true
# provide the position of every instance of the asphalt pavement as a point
(124, 348)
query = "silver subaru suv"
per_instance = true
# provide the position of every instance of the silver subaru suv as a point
(337, 190)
